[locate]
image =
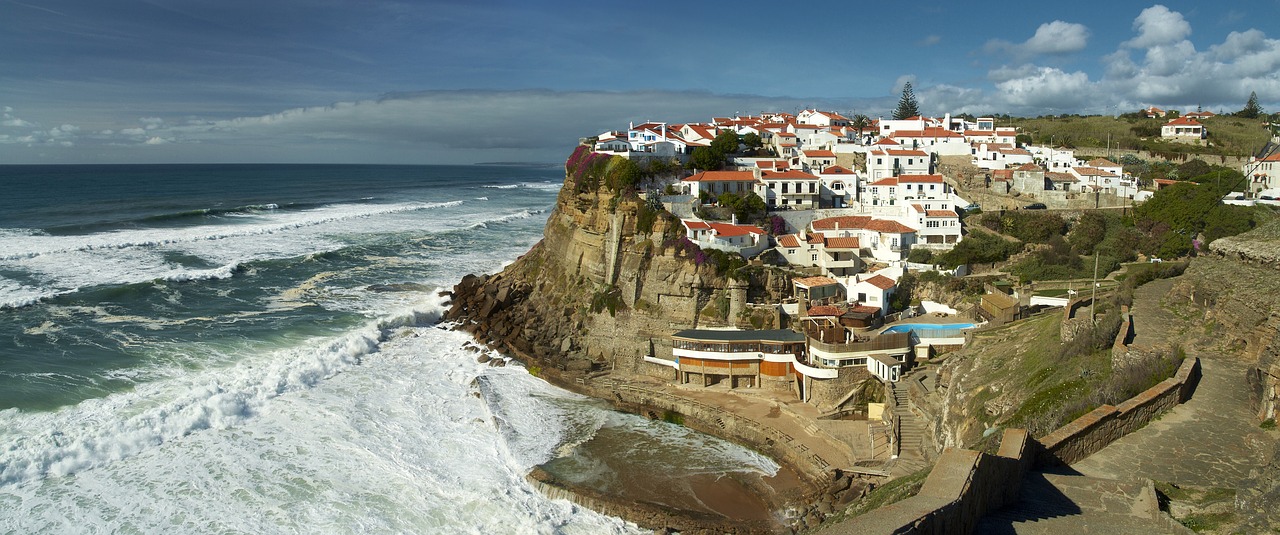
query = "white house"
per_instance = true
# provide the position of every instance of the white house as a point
(835, 256)
(715, 183)
(885, 240)
(789, 190)
(747, 240)
(839, 187)
(1005, 135)
(821, 118)
(993, 156)
(1055, 159)
(1183, 128)
(1263, 174)
(873, 291)
(934, 140)
(883, 163)
(814, 161)
(936, 227)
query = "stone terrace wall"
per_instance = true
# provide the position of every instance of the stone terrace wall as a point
(963, 486)
(1094, 431)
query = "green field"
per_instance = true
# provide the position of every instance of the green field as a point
(1228, 136)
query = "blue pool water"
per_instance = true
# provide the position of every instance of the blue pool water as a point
(904, 327)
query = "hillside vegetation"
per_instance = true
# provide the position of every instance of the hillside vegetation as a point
(1228, 136)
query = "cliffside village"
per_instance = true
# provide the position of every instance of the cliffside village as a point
(850, 229)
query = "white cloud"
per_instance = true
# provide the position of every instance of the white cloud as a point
(156, 140)
(1156, 26)
(901, 82)
(1047, 87)
(133, 132)
(1058, 37)
(15, 122)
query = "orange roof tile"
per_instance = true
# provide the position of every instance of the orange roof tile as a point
(814, 282)
(789, 240)
(837, 170)
(714, 176)
(882, 282)
(848, 222)
(928, 179)
(940, 213)
(892, 227)
(728, 230)
(890, 181)
(824, 310)
(1184, 121)
(843, 243)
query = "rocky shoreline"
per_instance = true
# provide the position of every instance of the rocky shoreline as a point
(821, 490)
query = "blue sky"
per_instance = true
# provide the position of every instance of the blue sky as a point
(372, 81)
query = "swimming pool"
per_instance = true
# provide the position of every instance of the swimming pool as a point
(904, 327)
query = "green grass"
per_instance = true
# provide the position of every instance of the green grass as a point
(1268, 424)
(1228, 135)
(889, 493)
(1207, 522)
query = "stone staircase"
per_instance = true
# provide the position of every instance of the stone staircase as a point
(910, 433)
(1057, 503)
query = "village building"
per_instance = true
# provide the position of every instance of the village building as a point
(884, 240)
(1153, 112)
(834, 256)
(714, 183)
(789, 190)
(747, 240)
(936, 228)
(1183, 129)
(883, 163)
(839, 187)
(1263, 174)
(933, 140)
(999, 155)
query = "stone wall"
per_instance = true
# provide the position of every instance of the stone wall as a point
(1094, 431)
(963, 487)
(825, 393)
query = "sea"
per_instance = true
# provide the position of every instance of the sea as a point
(258, 349)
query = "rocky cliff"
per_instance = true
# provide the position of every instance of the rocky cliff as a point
(607, 285)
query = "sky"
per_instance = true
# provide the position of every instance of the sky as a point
(467, 81)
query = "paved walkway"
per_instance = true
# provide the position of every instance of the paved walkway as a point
(1211, 440)
(1208, 441)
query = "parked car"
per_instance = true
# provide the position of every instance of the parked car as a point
(1035, 206)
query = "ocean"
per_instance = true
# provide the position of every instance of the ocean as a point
(256, 349)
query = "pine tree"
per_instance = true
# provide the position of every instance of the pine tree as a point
(1251, 108)
(907, 105)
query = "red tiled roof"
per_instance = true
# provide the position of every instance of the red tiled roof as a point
(905, 152)
(824, 310)
(1089, 171)
(880, 281)
(1184, 121)
(1029, 167)
(819, 154)
(940, 213)
(888, 181)
(714, 176)
(695, 225)
(885, 225)
(1002, 174)
(789, 240)
(927, 179)
(887, 141)
(846, 222)
(1102, 162)
(865, 309)
(837, 170)
(814, 282)
(729, 230)
(792, 174)
(931, 131)
(843, 243)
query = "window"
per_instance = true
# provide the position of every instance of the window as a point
(791, 251)
(813, 257)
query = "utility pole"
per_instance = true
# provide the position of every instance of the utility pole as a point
(1093, 301)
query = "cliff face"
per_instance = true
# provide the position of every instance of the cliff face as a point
(596, 292)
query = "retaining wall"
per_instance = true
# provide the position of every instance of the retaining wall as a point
(1094, 431)
(963, 487)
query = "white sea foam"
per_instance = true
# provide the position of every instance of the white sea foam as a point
(398, 444)
(100, 431)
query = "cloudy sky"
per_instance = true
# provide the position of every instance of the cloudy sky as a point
(463, 81)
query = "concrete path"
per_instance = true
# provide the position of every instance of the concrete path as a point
(1211, 440)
